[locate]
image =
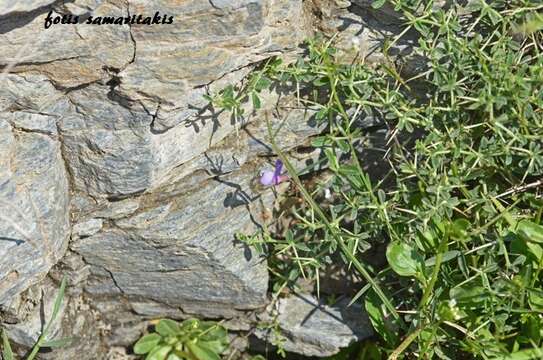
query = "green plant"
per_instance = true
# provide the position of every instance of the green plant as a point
(459, 205)
(275, 336)
(190, 340)
(43, 342)
(232, 97)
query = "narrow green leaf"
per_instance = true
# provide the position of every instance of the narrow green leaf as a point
(447, 256)
(58, 302)
(469, 294)
(7, 353)
(374, 309)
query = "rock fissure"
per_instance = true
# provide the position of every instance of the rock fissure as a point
(21, 64)
(132, 39)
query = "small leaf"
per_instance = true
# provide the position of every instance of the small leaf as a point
(527, 354)
(228, 93)
(217, 346)
(403, 259)
(381, 196)
(159, 353)
(468, 294)
(378, 4)
(7, 353)
(531, 250)
(535, 299)
(256, 101)
(531, 328)
(190, 324)
(459, 229)
(146, 343)
(56, 343)
(216, 332)
(167, 327)
(262, 84)
(319, 141)
(530, 231)
(174, 356)
(201, 352)
(332, 159)
(447, 256)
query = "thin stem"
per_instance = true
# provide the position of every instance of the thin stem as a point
(344, 249)
(405, 343)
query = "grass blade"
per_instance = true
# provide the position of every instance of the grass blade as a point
(7, 353)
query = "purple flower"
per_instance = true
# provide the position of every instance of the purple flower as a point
(273, 177)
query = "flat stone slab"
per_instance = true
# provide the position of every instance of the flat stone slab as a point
(312, 328)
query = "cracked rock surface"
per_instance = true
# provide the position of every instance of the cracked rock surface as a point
(312, 328)
(116, 173)
(34, 192)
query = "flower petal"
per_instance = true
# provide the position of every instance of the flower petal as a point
(267, 178)
(278, 168)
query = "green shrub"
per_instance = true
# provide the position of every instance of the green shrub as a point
(460, 204)
(190, 340)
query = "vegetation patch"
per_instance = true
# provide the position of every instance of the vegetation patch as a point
(459, 205)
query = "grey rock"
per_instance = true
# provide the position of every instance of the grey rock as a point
(87, 228)
(183, 232)
(33, 122)
(150, 309)
(81, 53)
(31, 93)
(112, 151)
(107, 145)
(117, 209)
(34, 224)
(294, 127)
(79, 7)
(166, 67)
(74, 269)
(208, 41)
(127, 329)
(19, 6)
(26, 333)
(312, 328)
(119, 353)
(75, 320)
(178, 249)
